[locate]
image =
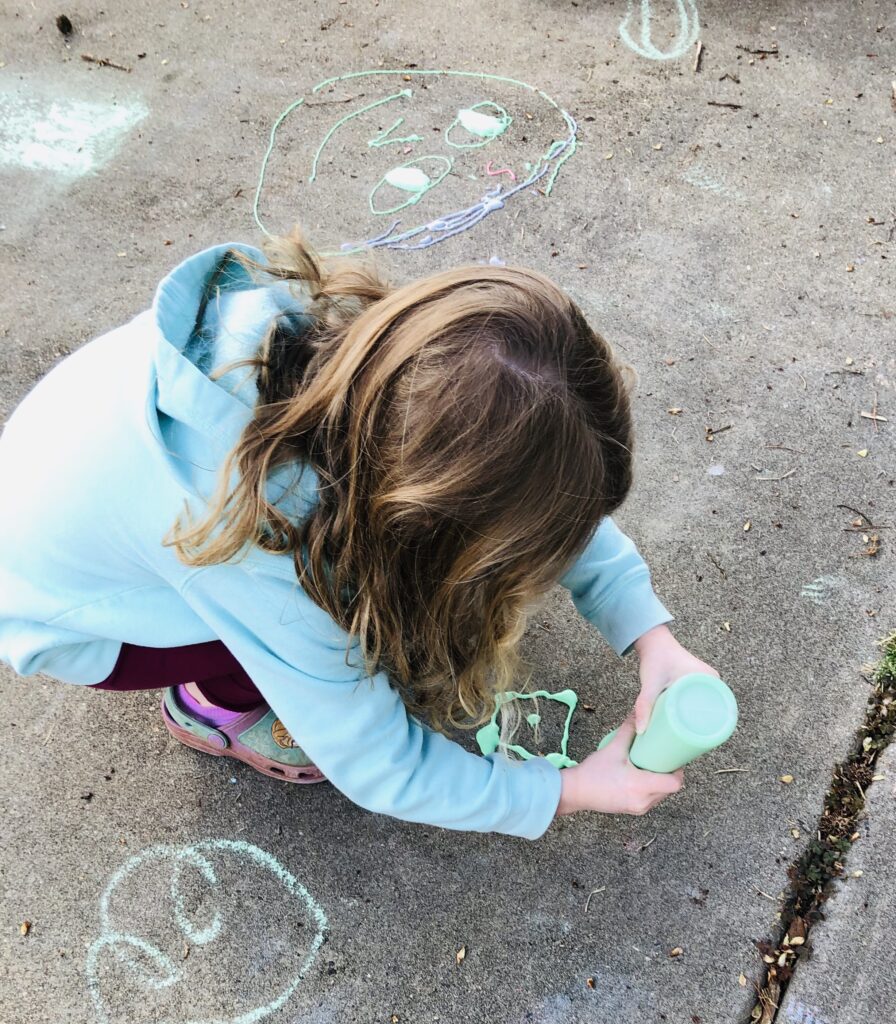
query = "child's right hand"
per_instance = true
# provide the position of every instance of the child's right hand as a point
(607, 781)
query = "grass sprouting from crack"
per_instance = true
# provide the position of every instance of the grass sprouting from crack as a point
(824, 858)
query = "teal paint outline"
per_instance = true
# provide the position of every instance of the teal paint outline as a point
(401, 94)
(381, 139)
(267, 156)
(505, 118)
(416, 196)
(488, 737)
(170, 973)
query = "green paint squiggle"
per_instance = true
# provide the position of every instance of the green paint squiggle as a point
(489, 736)
(383, 138)
(401, 94)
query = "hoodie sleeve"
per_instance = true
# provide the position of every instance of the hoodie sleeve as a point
(610, 586)
(354, 726)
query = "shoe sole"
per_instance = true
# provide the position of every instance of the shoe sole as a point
(303, 776)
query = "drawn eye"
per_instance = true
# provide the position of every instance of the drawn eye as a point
(477, 125)
(407, 183)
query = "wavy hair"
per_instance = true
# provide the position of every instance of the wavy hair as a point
(468, 430)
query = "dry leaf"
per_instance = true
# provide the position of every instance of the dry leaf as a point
(590, 983)
(24, 928)
(797, 940)
(675, 411)
(786, 779)
(742, 980)
(747, 526)
(796, 930)
(394, 1019)
(726, 626)
(659, 145)
(857, 874)
(461, 955)
(795, 832)
(677, 951)
(862, 453)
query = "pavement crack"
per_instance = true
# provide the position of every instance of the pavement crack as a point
(824, 859)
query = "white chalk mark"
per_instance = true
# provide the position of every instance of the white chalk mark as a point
(68, 137)
(688, 32)
(819, 590)
(699, 178)
(167, 973)
(800, 1013)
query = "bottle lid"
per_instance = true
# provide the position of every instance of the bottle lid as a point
(702, 707)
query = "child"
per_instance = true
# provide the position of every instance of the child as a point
(315, 510)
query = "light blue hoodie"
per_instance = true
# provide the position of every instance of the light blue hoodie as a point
(103, 455)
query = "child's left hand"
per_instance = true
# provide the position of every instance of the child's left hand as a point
(663, 660)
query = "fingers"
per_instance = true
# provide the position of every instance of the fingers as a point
(663, 783)
(643, 707)
(624, 735)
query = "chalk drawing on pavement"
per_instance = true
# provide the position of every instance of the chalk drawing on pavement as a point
(822, 589)
(68, 137)
(644, 45)
(150, 968)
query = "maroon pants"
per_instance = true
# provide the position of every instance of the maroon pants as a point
(210, 666)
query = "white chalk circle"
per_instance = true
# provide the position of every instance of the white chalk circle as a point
(153, 970)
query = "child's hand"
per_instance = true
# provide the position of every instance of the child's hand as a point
(607, 781)
(663, 660)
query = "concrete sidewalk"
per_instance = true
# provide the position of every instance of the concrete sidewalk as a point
(731, 230)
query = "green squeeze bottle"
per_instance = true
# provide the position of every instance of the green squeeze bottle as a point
(696, 714)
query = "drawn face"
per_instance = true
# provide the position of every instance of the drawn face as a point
(220, 926)
(405, 159)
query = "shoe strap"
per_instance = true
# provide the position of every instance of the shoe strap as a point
(205, 732)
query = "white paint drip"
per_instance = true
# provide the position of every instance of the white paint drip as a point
(484, 125)
(716, 470)
(688, 31)
(409, 179)
(68, 137)
(819, 590)
(165, 971)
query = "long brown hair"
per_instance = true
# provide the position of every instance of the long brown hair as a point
(469, 431)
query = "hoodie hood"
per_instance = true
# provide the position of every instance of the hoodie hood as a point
(210, 312)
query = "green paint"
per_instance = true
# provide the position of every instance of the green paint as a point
(416, 193)
(383, 138)
(267, 156)
(488, 737)
(401, 94)
(533, 719)
(487, 126)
